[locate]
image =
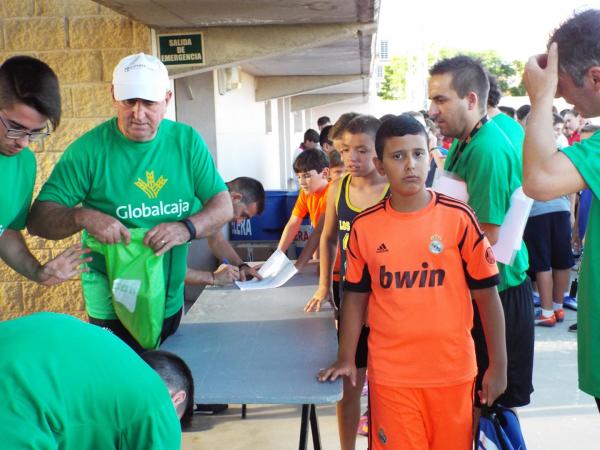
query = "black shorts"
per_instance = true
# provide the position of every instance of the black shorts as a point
(170, 325)
(518, 318)
(548, 241)
(362, 350)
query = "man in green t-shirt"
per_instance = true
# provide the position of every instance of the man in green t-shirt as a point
(490, 165)
(571, 69)
(29, 99)
(61, 389)
(136, 170)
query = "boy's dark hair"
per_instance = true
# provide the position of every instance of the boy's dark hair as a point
(340, 125)
(397, 127)
(335, 159)
(577, 40)
(507, 110)
(494, 94)
(252, 191)
(309, 160)
(364, 124)
(324, 136)
(176, 375)
(311, 135)
(28, 80)
(468, 75)
(556, 118)
(573, 112)
(523, 111)
(323, 120)
(386, 117)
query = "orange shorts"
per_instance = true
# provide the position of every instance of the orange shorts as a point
(439, 418)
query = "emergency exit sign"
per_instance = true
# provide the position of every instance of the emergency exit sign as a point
(181, 49)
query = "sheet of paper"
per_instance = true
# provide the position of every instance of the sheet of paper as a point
(451, 185)
(511, 230)
(276, 271)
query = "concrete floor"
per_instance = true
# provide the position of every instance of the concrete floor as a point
(560, 416)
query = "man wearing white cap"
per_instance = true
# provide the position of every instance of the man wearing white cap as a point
(136, 170)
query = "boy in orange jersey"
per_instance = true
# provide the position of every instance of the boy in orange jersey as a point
(312, 169)
(361, 188)
(415, 259)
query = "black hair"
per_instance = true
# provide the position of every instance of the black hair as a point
(556, 118)
(176, 375)
(340, 125)
(363, 124)
(324, 136)
(523, 111)
(335, 159)
(309, 160)
(578, 47)
(468, 75)
(323, 120)
(573, 112)
(311, 135)
(386, 117)
(28, 80)
(494, 93)
(508, 111)
(252, 191)
(397, 127)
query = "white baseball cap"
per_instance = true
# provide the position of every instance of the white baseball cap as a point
(140, 76)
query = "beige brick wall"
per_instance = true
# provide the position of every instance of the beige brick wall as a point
(82, 41)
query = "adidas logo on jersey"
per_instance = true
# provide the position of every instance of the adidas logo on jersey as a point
(381, 249)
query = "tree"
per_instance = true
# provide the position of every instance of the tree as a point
(394, 80)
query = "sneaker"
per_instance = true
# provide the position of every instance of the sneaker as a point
(537, 301)
(543, 321)
(573, 328)
(363, 424)
(570, 302)
(559, 314)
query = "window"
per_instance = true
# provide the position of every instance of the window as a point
(379, 71)
(383, 50)
(268, 117)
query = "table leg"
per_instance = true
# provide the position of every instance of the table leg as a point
(244, 411)
(314, 427)
(304, 427)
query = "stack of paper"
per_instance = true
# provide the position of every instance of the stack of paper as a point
(275, 272)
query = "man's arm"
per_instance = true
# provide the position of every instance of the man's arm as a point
(52, 220)
(327, 251)
(311, 245)
(223, 251)
(354, 306)
(224, 275)
(289, 233)
(491, 231)
(492, 319)
(14, 252)
(547, 172)
(214, 214)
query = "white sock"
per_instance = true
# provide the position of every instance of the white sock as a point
(547, 312)
(557, 306)
(536, 293)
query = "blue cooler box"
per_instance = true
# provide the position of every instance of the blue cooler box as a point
(267, 226)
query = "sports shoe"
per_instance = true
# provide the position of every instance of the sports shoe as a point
(573, 328)
(559, 314)
(537, 301)
(570, 302)
(365, 389)
(543, 321)
(363, 424)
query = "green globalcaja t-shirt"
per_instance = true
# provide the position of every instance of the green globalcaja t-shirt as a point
(511, 128)
(491, 166)
(585, 156)
(69, 385)
(142, 184)
(18, 178)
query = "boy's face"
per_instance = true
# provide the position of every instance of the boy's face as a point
(312, 181)
(558, 130)
(335, 173)
(358, 151)
(405, 163)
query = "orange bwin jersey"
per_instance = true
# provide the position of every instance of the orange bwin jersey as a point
(418, 268)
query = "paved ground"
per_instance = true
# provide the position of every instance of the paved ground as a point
(560, 416)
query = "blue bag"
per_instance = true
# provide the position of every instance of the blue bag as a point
(499, 429)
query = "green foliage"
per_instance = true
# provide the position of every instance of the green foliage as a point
(393, 86)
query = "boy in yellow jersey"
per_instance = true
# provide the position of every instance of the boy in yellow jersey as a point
(414, 260)
(359, 189)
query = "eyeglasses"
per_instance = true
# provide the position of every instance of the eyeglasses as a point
(12, 133)
(147, 104)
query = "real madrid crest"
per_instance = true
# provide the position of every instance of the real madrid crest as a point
(436, 246)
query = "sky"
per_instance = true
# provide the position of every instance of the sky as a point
(516, 29)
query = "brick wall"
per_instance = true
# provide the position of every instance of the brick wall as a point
(82, 41)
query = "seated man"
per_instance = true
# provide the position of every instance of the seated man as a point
(67, 384)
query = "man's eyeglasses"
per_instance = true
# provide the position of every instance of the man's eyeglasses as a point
(13, 133)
